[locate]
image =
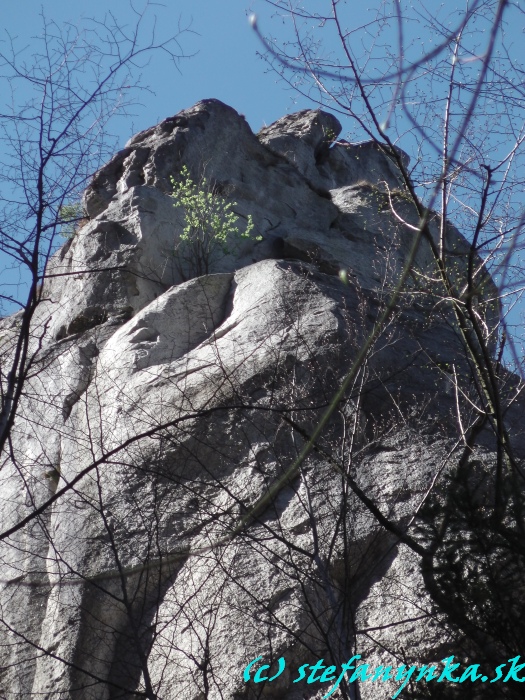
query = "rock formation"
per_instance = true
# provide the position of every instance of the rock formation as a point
(166, 409)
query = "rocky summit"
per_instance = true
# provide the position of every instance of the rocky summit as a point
(165, 412)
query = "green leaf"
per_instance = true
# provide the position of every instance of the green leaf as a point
(210, 226)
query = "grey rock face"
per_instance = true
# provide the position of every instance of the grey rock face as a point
(169, 407)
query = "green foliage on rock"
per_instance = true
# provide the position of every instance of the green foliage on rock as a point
(69, 216)
(210, 226)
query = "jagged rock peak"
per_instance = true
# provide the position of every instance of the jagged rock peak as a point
(165, 402)
(314, 126)
(311, 198)
(302, 139)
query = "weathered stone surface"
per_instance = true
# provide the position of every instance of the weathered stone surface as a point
(168, 404)
(123, 258)
(303, 139)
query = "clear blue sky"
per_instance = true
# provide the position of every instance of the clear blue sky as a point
(225, 64)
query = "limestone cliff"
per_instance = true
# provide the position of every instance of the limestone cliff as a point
(165, 409)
